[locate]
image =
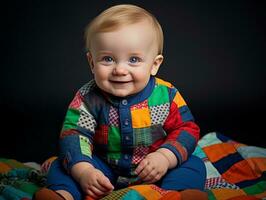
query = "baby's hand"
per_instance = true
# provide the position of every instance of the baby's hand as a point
(153, 167)
(94, 183)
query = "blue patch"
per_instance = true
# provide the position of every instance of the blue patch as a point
(186, 114)
(222, 137)
(225, 163)
(132, 194)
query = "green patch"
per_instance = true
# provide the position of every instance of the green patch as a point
(256, 189)
(71, 119)
(114, 156)
(159, 96)
(84, 146)
(114, 139)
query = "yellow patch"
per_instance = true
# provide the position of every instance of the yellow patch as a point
(140, 118)
(162, 82)
(179, 100)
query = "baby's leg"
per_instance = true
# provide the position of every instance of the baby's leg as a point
(189, 179)
(190, 175)
(60, 185)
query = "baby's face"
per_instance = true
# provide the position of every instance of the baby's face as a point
(123, 60)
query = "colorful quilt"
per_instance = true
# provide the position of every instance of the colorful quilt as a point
(234, 171)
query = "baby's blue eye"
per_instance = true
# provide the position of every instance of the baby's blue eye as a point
(108, 59)
(134, 59)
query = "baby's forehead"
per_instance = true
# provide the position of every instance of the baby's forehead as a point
(134, 24)
(139, 35)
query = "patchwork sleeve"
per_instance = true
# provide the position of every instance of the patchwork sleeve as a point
(75, 143)
(182, 131)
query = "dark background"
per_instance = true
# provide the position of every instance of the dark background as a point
(214, 53)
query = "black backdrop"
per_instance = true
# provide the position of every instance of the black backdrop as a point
(214, 53)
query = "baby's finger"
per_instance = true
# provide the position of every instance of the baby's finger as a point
(154, 179)
(105, 184)
(92, 194)
(141, 166)
(150, 176)
(97, 191)
(145, 172)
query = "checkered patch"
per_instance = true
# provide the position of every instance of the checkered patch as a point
(113, 116)
(87, 87)
(101, 135)
(219, 182)
(142, 137)
(160, 190)
(141, 105)
(139, 153)
(159, 113)
(87, 121)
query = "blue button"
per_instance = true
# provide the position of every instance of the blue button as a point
(126, 122)
(127, 138)
(124, 102)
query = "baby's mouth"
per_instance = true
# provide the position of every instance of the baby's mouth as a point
(119, 82)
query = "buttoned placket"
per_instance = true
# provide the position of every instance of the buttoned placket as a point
(126, 132)
(125, 123)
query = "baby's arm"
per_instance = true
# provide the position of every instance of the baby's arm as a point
(92, 181)
(180, 142)
(76, 145)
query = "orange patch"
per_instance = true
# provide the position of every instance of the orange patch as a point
(225, 194)
(179, 100)
(147, 192)
(217, 151)
(242, 170)
(4, 168)
(141, 118)
(162, 82)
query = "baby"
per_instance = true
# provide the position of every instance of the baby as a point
(125, 126)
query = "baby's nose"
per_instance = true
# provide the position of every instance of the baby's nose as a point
(121, 70)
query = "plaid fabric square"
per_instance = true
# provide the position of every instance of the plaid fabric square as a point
(101, 135)
(87, 121)
(87, 87)
(113, 117)
(159, 113)
(142, 137)
(219, 182)
(212, 182)
(140, 105)
(160, 190)
(76, 102)
(117, 194)
(141, 118)
(139, 153)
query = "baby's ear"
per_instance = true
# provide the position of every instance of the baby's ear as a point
(90, 60)
(156, 64)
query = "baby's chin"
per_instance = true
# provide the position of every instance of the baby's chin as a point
(123, 93)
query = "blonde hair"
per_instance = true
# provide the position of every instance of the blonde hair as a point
(120, 15)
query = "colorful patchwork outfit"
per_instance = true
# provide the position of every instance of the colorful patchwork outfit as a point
(120, 132)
